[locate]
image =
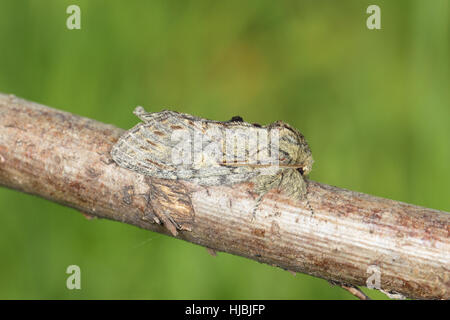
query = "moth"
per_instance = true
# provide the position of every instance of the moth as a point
(173, 145)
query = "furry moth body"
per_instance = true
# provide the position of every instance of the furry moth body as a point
(172, 145)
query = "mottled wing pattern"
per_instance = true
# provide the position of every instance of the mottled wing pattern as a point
(147, 149)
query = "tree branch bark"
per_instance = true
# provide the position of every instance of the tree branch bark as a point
(335, 234)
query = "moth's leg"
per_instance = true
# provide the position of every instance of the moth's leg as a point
(167, 221)
(105, 157)
(155, 213)
(149, 211)
(293, 184)
(263, 184)
(354, 290)
(258, 202)
(212, 252)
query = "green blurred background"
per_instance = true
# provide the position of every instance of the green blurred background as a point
(373, 104)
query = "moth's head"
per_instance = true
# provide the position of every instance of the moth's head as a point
(293, 148)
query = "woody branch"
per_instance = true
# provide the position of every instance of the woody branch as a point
(335, 234)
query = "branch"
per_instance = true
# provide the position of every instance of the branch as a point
(335, 234)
